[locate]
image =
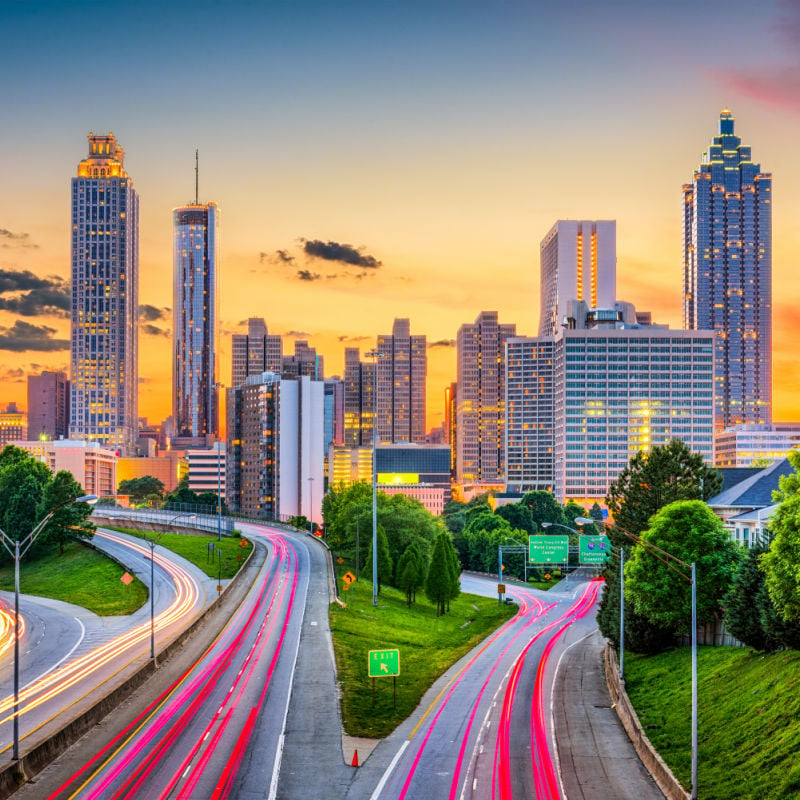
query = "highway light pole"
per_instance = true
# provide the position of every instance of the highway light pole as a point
(152, 544)
(376, 355)
(20, 547)
(311, 504)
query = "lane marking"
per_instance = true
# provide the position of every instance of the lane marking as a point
(382, 782)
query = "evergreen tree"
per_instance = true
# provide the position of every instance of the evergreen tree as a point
(384, 559)
(71, 520)
(439, 583)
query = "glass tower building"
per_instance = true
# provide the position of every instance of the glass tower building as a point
(195, 408)
(105, 299)
(727, 284)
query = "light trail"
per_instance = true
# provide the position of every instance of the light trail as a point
(7, 629)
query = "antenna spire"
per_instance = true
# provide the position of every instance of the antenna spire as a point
(197, 177)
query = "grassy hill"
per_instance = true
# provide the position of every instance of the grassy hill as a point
(748, 718)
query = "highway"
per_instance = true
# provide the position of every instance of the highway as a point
(193, 740)
(69, 657)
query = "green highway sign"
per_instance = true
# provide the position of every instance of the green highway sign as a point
(384, 663)
(545, 549)
(594, 549)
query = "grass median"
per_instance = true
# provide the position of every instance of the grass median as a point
(79, 575)
(428, 645)
(748, 718)
(195, 549)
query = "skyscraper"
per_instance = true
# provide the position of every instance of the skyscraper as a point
(195, 407)
(48, 406)
(578, 261)
(727, 284)
(105, 299)
(401, 371)
(480, 399)
(359, 399)
(305, 361)
(255, 352)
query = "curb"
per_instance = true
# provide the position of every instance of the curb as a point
(652, 761)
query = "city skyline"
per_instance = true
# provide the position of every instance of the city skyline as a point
(421, 170)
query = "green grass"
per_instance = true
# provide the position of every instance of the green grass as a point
(427, 644)
(748, 718)
(194, 548)
(81, 576)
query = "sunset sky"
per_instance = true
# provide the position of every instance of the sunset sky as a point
(439, 139)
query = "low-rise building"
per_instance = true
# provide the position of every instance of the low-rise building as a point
(744, 445)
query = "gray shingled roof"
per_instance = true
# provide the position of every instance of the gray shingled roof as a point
(754, 491)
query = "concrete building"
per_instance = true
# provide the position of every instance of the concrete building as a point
(578, 261)
(13, 425)
(727, 284)
(195, 406)
(207, 469)
(93, 467)
(169, 467)
(104, 360)
(255, 352)
(401, 372)
(48, 406)
(348, 465)
(275, 445)
(743, 445)
(359, 399)
(305, 361)
(480, 400)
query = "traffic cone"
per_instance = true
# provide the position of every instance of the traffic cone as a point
(354, 762)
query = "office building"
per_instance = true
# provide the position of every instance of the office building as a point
(255, 352)
(195, 407)
(207, 469)
(401, 370)
(578, 261)
(13, 425)
(305, 361)
(170, 467)
(420, 471)
(745, 445)
(48, 406)
(105, 300)
(727, 283)
(348, 465)
(359, 399)
(275, 447)
(480, 400)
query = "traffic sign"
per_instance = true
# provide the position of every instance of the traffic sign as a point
(594, 549)
(501, 588)
(348, 578)
(543, 549)
(383, 663)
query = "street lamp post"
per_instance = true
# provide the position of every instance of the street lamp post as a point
(376, 355)
(20, 547)
(311, 504)
(219, 490)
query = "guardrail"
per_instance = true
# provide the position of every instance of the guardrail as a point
(148, 516)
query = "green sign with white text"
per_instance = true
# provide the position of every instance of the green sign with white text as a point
(384, 663)
(594, 549)
(548, 549)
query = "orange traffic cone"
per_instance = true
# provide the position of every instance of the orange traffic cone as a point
(354, 763)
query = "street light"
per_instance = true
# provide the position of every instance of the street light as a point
(517, 547)
(663, 555)
(311, 504)
(376, 355)
(152, 544)
(20, 547)
(185, 523)
(219, 489)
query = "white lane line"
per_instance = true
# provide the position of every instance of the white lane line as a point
(553, 747)
(63, 659)
(379, 788)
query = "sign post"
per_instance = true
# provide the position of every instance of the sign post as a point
(593, 549)
(384, 664)
(548, 549)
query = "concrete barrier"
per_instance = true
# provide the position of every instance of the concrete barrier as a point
(652, 761)
(13, 775)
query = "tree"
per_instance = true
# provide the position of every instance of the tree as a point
(544, 507)
(455, 516)
(780, 564)
(384, 558)
(652, 480)
(142, 489)
(742, 612)
(455, 571)
(690, 531)
(71, 520)
(439, 583)
(517, 515)
(411, 571)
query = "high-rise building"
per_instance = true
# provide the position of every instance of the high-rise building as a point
(48, 406)
(13, 425)
(727, 283)
(255, 352)
(401, 370)
(359, 399)
(105, 299)
(578, 261)
(582, 403)
(305, 361)
(275, 436)
(195, 407)
(480, 400)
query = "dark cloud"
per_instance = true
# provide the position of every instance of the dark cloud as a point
(11, 239)
(442, 343)
(152, 314)
(353, 338)
(33, 295)
(343, 253)
(153, 330)
(307, 275)
(12, 375)
(297, 334)
(23, 336)
(276, 257)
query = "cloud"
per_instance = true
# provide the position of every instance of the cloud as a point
(12, 375)
(33, 295)
(152, 314)
(11, 239)
(307, 275)
(276, 257)
(777, 85)
(23, 336)
(343, 253)
(353, 338)
(153, 330)
(442, 343)
(297, 334)
(142, 379)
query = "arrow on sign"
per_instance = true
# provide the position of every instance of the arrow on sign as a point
(384, 668)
